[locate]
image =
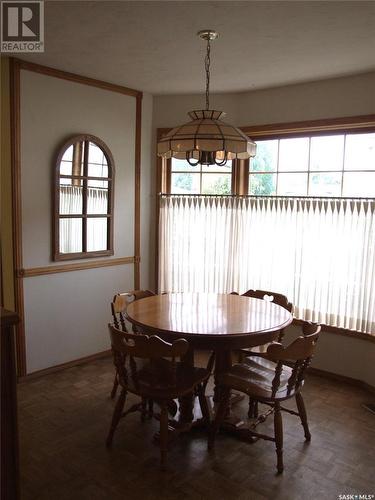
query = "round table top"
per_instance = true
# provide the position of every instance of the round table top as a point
(210, 315)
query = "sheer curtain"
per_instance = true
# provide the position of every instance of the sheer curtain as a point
(97, 203)
(71, 228)
(318, 252)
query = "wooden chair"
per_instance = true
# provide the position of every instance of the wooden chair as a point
(259, 361)
(280, 300)
(120, 301)
(118, 308)
(144, 370)
(277, 383)
(276, 298)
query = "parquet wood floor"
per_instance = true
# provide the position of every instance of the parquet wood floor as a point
(64, 418)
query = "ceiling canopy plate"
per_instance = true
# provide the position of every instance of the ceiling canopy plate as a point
(208, 34)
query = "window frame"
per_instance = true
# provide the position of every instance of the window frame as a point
(212, 171)
(240, 175)
(315, 128)
(56, 253)
(239, 178)
(241, 169)
(309, 172)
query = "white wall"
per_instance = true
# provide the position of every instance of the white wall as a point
(51, 111)
(338, 97)
(342, 355)
(66, 313)
(334, 98)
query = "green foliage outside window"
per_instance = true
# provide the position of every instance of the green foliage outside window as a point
(184, 182)
(221, 186)
(262, 184)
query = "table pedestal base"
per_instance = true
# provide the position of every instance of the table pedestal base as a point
(232, 424)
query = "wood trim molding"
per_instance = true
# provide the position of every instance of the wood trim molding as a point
(342, 331)
(163, 185)
(19, 273)
(345, 124)
(348, 124)
(73, 77)
(82, 139)
(63, 366)
(79, 266)
(159, 177)
(107, 353)
(137, 192)
(14, 74)
(327, 125)
(341, 378)
(162, 131)
(240, 177)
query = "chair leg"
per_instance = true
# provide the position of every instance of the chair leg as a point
(150, 408)
(278, 423)
(116, 416)
(220, 414)
(163, 435)
(303, 415)
(143, 409)
(210, 366)
(115, 385)
(281, 335)
(203, 404)
(253, 408)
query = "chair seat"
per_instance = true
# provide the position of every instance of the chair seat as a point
(254, 377)
(258, 349)
(260, 364)
(158, 382)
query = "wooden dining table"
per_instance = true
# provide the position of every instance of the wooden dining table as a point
(220, 323)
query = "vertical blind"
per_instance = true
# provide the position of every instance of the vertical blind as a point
(318, 252)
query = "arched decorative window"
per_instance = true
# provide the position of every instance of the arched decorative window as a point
(83, 199)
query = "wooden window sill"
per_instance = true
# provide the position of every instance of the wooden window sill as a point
(343, 331)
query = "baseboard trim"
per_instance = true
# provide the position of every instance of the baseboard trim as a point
(342, 378)
(105, 354)
(63, 366)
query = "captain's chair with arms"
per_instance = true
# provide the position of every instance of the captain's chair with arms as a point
(282, 379)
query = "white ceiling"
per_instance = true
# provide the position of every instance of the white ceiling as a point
(152, 46)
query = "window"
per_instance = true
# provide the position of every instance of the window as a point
(320, 254)
(84, 177)
(212, 179)
(330, 158)
(341, 165)
(325, 267)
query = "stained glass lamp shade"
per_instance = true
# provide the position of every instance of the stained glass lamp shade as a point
(206, 140)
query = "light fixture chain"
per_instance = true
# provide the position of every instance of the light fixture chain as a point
(207, 63)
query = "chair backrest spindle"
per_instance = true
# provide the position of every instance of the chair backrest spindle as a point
(298, 355)
(133, 346)
(277, 377)
(119, 304)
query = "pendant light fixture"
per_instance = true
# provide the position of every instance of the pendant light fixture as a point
(206, 140)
